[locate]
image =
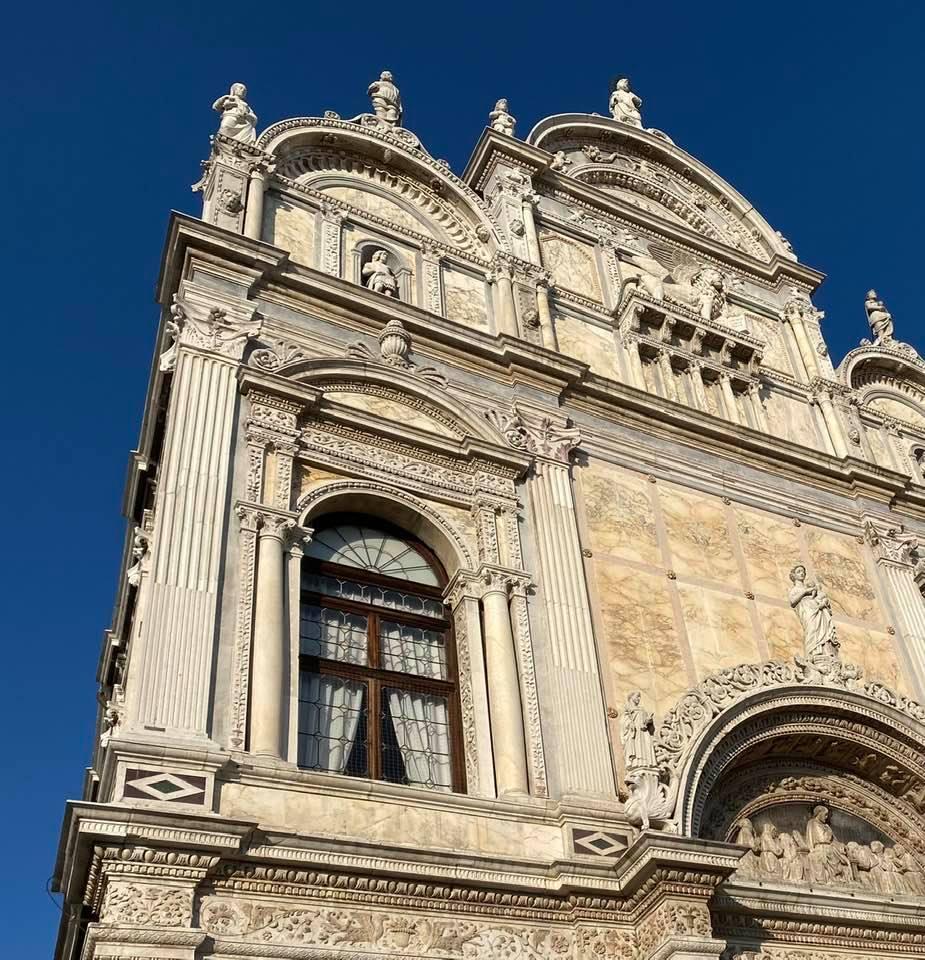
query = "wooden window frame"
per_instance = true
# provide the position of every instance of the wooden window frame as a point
(373, 675)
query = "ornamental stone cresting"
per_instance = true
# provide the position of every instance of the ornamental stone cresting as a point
(509, 569)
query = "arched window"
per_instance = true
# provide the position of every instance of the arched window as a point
(377, 671)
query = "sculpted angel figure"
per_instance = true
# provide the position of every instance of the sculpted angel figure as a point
(637, 728)
(386, 99)
(879, 318)
(379, 276)
(500, 119)
(625, 105)
(814, 610)
(238, 121)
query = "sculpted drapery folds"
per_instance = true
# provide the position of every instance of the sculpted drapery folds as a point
(238, 121)
(813, 607)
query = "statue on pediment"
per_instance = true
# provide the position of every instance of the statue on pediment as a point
(386, 99)
(879, 318)
(625, 105)
(238, 121)
(500, 119)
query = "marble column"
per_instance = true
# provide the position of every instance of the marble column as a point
(547, 328)
(332, 219)
(174, 660)
(271, 640)
(760, 414)
(899, 559)
(507, 312)
(579, 753)
(635, 377)
(430, 276)
(503, 688)
(832, 422)
(253, 214)
(669, 383)
(729, 398)
(804, 347)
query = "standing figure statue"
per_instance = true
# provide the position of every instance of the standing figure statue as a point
(746, 837)
(769, 850)
(814, 609)
(379, 276)
(500, 119)
(238, 121)
(879, 318)
(386, 99)
(624, 104)
(637, 728)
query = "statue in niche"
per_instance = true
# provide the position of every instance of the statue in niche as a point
(238, 121)
(500, 119)
(379, 276)
(386, 99)
(637, 731)
(879, 318)
(814, 610)
(625, 105)
(826, 862)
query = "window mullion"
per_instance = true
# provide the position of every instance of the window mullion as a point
(373, 730)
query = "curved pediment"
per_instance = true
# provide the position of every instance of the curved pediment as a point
(646, 170)
(382, 175)
(889, 377)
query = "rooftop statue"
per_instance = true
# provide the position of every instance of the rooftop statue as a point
(386, 99)
(238, 121)
(625, 105)
(879, 318)
(500, 118)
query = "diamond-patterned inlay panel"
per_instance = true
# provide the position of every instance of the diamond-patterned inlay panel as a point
(160, 785)
(597, 843)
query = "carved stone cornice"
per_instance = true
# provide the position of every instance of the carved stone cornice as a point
(536, 433)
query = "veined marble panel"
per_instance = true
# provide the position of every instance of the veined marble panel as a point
(639, 644)
(839, 564)
(588, 344)
(291, 227)
(393, 410)
(571, 263)
(312, 477)
(898, 409)
(392, 821)
(719, 629)
(378, 206)
(771, 547)
(875, 652)
(775, 355)
(621, 519)
(465, 298)
(791, 419)
(698, 535)
(782, 631)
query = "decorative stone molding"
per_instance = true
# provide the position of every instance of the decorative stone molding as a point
(536, 434)
(212, 329)
(395, 351)
(143, 903)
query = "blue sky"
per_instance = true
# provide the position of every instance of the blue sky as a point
(812, 110)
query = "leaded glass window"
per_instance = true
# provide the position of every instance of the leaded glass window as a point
(377, 684)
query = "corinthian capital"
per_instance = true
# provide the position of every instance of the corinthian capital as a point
(220, 328)
(536, 433)
(893, 543)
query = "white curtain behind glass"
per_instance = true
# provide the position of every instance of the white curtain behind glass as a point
(421, 728)
(331, 712)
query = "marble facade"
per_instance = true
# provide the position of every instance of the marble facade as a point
(587, 378)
